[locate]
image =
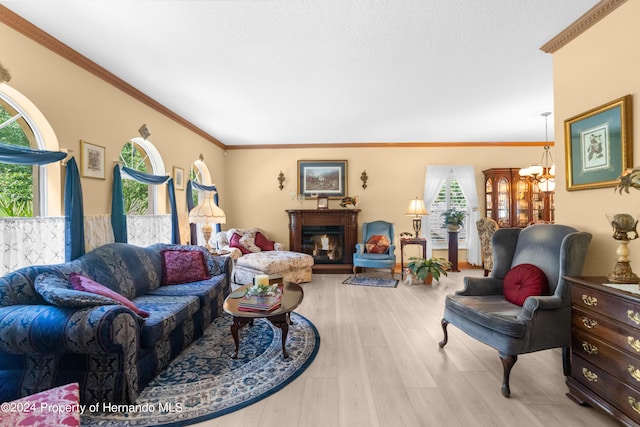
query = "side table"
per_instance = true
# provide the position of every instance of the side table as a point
(411, 241)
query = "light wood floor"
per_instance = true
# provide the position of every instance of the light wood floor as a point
(379, 364)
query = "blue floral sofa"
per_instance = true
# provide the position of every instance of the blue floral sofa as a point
(111, 351)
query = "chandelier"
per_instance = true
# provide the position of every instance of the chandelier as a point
(543, 174)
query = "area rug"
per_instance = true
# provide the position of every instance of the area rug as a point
(371, 281)
(204, 382)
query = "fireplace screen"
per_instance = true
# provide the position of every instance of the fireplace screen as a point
(324, 243)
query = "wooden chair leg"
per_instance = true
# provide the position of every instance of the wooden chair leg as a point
(355, 273)
(444, 341)
(507, 364)
(566, 361)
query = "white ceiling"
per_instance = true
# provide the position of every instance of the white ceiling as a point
(327, 71)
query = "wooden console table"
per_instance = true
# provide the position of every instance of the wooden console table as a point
(346, 218)
(411, 241)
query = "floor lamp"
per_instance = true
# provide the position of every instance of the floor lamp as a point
(207, 213)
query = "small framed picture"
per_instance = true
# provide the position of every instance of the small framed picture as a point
(323, 202)
(178, 178)
(92, 160)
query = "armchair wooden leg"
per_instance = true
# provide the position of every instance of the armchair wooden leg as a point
(566, 361)
(393, 272)
(444, 341)
(355, 274)
(507, 364)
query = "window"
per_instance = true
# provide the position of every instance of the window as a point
(141, 199)
(449, 196)
(17, 181)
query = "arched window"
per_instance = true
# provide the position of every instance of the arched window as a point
(142, 156)
(27, 190)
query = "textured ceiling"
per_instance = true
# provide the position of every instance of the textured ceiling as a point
(327, 71)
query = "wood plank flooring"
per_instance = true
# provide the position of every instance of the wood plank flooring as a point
(379, 364)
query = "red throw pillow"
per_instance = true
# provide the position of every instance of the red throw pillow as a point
(235, 243)
(182, 266)
(83, 283)
(377, 244)
(523, 281)
(263, 243)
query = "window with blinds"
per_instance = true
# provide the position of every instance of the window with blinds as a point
(450, 196)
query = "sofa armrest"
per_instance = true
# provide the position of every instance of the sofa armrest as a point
(47, 329)
(478, 286)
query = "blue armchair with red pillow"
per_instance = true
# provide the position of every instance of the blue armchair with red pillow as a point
(525, 303)
(110, 320)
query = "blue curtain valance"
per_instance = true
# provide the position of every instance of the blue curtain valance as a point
(118, 218)
(18, 155)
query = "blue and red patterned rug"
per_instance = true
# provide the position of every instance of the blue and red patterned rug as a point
(371, 281)
(204, 382)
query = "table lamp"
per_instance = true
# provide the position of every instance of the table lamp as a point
(416, 209)
(207, 213)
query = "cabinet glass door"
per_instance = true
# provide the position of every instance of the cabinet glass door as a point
(488, 198)
(504, 202)
(522, 203)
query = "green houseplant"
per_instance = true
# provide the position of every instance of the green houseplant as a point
(453, 219)
(428, 269)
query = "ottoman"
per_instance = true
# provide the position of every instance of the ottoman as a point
(292, 266)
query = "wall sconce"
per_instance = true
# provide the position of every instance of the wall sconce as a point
(281, 179)
(364, 177)
(144, 132)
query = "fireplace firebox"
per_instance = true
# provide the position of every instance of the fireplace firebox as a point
(329, 235)
(324, 242)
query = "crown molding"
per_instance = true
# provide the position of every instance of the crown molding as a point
(21, 25)
(582, 24)
(395, 145)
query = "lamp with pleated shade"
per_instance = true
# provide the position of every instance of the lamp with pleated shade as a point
(207, 213)
(416, 209)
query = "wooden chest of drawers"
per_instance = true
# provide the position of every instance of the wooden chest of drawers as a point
(605, 347)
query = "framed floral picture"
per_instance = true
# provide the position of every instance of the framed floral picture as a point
(178, 178)
(92, 160)
(599, 145)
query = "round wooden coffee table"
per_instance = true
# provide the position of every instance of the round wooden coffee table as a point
(292, 295)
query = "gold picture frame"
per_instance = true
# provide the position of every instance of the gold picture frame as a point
(599, 145)
(323, 202)
(92, 160)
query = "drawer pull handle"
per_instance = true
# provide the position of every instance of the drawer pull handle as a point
(634, 343)
(635, 372)
(588, 323)
(589, 300)
(589, 348)
(634, 404)
(590, 376)
(634, 316)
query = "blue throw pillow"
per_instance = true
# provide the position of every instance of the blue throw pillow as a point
(58, 291)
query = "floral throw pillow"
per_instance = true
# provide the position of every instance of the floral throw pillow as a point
(58, 291)
(377, 244)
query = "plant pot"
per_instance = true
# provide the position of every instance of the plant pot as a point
(429, 279)
(453, 227)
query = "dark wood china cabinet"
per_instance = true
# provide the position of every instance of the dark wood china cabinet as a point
(514, 201)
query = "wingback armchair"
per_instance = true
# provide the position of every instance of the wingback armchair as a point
(377, 249)
(540, 322)
(486, 227)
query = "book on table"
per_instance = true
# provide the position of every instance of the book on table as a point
(259, 303)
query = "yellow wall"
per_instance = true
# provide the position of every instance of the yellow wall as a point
(599, 66)
(396, 175)
(80, 106)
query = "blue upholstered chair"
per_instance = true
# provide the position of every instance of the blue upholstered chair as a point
(542, 322)
(365, 259)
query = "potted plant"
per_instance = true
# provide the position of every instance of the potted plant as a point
(428, 269)
(453, 219)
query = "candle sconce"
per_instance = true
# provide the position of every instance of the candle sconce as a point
(281, 179)
(364, 178)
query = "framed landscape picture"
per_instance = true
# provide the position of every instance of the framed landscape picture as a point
(92, 160)
(599, 145)
(322, 178)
